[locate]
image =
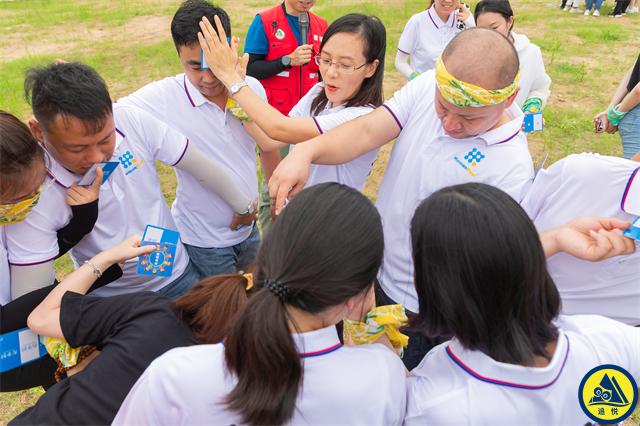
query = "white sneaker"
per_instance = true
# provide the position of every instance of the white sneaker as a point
(586, 13)
(635, 10)
(567, 8)
(575, 10)
(596, 13)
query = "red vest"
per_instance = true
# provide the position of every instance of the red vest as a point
(285, 89)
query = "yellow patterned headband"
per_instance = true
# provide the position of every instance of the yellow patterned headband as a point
(465, 94)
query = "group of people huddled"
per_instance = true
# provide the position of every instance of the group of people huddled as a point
(476, 290)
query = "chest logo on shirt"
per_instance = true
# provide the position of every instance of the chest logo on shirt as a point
(280, 34)
(470, 161)
(129, 162)
(608, 394)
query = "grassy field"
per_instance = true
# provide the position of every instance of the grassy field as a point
(129, 43)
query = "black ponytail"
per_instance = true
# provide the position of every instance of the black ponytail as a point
(325, 248)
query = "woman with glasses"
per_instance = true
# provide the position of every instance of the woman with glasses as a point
(351, 63)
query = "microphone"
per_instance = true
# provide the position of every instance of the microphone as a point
(303, 20)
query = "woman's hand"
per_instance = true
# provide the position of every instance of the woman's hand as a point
(589, 238)
(221, 57)
(79, 195)
(128, 249)
(463, 12)
(602, 124)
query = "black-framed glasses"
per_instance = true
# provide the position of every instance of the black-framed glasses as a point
(340, 67)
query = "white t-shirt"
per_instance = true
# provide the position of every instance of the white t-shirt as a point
(203, 218)
(129, 200)
(341, 385)
(425, 36)
(5, 278)
(534, 81)
(424, 159)
(445, 389)
(355, 172)
(588, 185)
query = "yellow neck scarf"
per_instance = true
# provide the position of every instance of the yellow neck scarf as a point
(465, 94)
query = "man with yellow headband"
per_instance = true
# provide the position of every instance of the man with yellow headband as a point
(453, 125)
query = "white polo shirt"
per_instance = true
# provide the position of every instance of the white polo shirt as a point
(203, 218)
(456, 386)
(342, 385)
(129, 200)
(425, 36)
(588, 185)
(355, 172)
(424, 159)
(5, 277)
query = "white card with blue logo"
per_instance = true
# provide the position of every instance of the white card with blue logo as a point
(631, 197)
(107, 169)
(160, 261)
(533, 122)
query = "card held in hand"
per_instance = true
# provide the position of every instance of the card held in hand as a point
(160, 261)
(533, 122)
(634, 230)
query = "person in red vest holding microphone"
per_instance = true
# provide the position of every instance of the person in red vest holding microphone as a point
(281, 42)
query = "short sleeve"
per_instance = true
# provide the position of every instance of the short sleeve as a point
(404, 101)
(256, 42)
(407, 42)
(512, 171)
(35, 240)
(162, 143)
(329, 121)
(89, 320)
(150, 98)
(258, 89)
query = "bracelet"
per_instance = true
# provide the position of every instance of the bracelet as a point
(96, 270)
(532, 105)
(614, 115)
(413, 75)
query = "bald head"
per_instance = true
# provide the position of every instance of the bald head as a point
(482, 57)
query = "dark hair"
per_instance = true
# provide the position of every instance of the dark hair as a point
(501, 7)
(211, 305)
(185, 24)
(19, 152)
(70, 89)
(325, 248)
(481, 274)
(374, 38)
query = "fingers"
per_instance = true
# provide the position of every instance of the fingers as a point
(610, 223)
(221, 33)
(95, 186)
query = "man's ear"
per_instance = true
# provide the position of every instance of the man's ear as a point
(34, 126)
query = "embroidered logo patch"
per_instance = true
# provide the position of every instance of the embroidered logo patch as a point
(129, 162)
(280, 34)
(470, 160)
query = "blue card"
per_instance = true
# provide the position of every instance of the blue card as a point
(160, 261)
(533, 122)
(18, 348)
(107, 169)
(634, 230)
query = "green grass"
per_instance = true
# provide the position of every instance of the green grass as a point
(585, 57)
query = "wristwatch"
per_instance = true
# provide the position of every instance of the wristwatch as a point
(250, 210)
(235, 87)
(286, 61)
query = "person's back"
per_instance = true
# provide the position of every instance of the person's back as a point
(282, 360)
(333, 374)
(588, 185)
(482, 391)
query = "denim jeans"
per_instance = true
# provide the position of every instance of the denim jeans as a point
(589, 4)
(182, 284)
(225, 260)
(629, 129)
(419, 344)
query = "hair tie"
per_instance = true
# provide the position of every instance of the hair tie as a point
(277, 288)
(249, 277)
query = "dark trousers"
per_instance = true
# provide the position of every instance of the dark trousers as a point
(419, 345)
(621, 6)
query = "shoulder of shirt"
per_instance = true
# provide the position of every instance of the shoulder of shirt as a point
(365, 355)
(254, 84)
(419, 15)
(592, 326)
(594, 168)
(195, 360)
